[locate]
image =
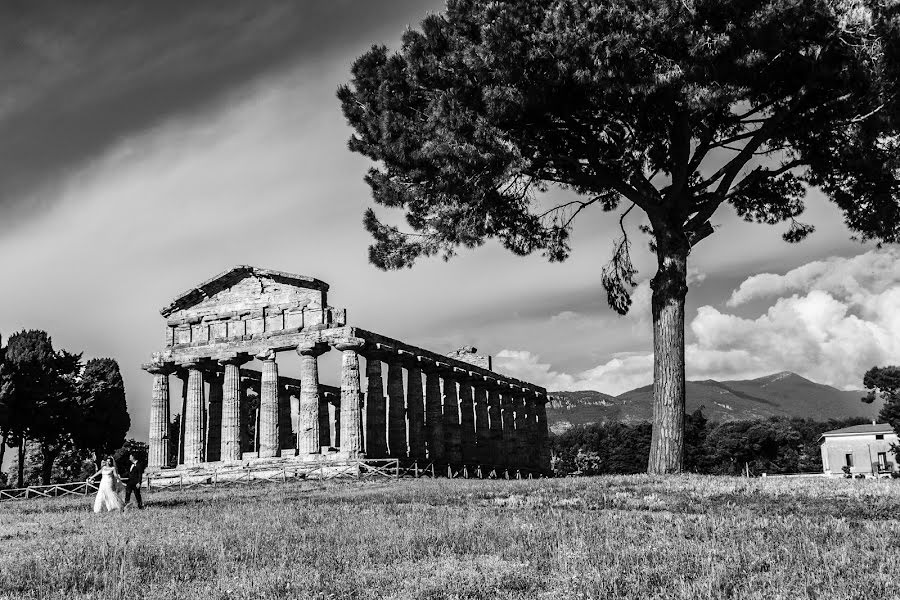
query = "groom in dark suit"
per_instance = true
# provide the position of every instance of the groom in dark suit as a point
(135, 475)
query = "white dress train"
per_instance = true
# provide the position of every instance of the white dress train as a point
(107, 495)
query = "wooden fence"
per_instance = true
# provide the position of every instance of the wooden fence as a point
(81, 488)
(277, 472)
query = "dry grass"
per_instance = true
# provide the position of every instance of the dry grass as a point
(608, 537)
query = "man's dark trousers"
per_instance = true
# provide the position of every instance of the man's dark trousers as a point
(134, 485)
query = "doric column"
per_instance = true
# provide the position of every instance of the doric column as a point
(521, 435)
(269, 445)
(351, 398)
(495, 435)
(159, 418)
(287, 441)
(230, 448)
(396, 425)
(182, 374)
(324, 422)
(309, 352)
(466, 417)
(214, 416)
(415, 409)
(334, 420)
(376, 417)
(193, 418)
(452, 441)
(482, 433)
(433, 415)
(249, 407)
(543, 433)
(508, 431)
(532, 447)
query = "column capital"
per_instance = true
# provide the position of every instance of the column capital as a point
(381, 352)
(428, 365)
(349, 343)
(312, 348)
(159, 368)
(410, 360)
(266, 355)
(235, 359)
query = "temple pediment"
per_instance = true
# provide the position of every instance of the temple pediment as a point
(246, 301)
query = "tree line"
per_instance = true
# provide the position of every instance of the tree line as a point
(776, 445)
(54, 405)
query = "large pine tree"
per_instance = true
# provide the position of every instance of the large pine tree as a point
(675, 107)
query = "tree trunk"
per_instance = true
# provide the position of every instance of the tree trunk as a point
(2, 451)
(21, 462)
(47, 465)
(669, 287)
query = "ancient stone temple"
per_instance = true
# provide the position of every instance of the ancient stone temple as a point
(412, 404)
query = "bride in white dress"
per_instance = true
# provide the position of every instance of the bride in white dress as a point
(108, 493)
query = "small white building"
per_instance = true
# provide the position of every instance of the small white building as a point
(864, 449)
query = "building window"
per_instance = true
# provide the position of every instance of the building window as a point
(879, 436)
(882, 461)
(848, 459)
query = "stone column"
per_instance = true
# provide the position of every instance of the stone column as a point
(482, 433)
(376, 418)
(466, 418)
(334, 422)
(507, 418)
(452, 441)
(543, 434)
(531, 457)
(415, 410)
(324, 422)
(159, 419)
(396, 410)
(495, 435)
(230, 448)
(214, 417)
(287, 441)
(269, 445)
(182, 374)
(434, 417)
(309, 352)
(249, 407)
(521, 435)
(351, 398)
(193, 418)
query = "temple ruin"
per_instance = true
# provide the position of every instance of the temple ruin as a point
(450, 411)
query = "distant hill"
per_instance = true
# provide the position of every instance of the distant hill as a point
(781, 394)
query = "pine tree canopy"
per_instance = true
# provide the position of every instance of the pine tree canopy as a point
(675, 107)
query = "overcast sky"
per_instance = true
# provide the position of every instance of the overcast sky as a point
(147, 146)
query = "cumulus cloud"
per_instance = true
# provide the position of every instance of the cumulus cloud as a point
(524, 365)
(830, 321)
(851, 278)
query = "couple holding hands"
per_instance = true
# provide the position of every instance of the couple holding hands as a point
(111, 485)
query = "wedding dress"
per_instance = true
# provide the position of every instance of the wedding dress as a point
(107, 494)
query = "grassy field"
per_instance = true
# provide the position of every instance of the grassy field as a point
(609, 537)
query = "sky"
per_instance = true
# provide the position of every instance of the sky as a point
(146, 147)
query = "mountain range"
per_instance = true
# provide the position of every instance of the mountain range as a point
(782, 394)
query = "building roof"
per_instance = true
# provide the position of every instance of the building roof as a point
(228, 278)
(861, 429)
